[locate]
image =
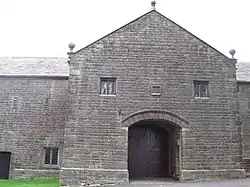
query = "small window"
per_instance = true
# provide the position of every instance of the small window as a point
(108, 86)
(201, 89)
(14, 103)
(46, 103)
(238, 88)
(51, 156)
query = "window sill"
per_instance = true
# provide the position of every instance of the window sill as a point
(104, 95)
(202, 98)
(55, 167)
(156, 94)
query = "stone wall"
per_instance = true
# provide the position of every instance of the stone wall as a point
(150, 51)
(244, 109)
(35, 173)
(32, 116)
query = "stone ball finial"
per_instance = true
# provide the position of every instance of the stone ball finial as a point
(71, 46)
(153, 4)
(232, 52)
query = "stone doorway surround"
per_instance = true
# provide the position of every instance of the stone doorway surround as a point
(170, 119)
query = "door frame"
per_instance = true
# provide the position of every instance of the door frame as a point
(146, 124)
(8, 155)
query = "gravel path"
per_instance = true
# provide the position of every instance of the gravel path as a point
(223, 183)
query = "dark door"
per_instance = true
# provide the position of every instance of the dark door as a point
(148, 152)
(4, 165)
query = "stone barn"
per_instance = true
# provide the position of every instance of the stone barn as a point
(147, 101)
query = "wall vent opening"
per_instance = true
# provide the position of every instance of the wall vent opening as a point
(156, 90)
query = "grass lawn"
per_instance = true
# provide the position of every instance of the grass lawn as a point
(30, 183)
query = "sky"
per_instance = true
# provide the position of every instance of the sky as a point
(43, 28)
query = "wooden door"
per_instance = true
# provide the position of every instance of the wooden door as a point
(4, 164)
(148, 152)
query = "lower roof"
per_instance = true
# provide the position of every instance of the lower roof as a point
(34, 66)
(243, 71)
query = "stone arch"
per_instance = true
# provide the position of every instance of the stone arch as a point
(136, 124)
(157, 115)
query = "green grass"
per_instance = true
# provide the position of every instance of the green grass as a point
(30, 183)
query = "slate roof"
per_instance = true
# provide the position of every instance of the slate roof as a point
(243, 71)
(40, 66)
(34, 66)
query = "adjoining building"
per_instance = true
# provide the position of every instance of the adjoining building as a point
(149, 100)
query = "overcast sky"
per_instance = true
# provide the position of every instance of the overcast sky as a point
(45, 27)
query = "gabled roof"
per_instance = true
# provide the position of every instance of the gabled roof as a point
(142, 17)
(39, 66)
(29, 66)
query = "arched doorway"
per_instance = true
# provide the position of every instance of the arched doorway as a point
(151, 126)
(152, 150)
